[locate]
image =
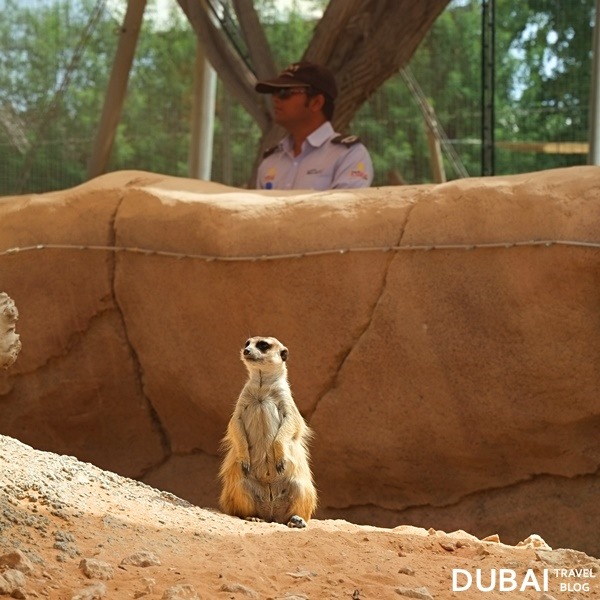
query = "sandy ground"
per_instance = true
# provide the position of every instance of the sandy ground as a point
(71, 531)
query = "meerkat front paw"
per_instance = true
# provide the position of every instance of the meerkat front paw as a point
(245, 464)
(279, 456)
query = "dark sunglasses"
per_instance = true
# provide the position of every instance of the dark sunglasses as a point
(285, 93)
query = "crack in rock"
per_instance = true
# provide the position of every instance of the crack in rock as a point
(139, 370)
(370, 319)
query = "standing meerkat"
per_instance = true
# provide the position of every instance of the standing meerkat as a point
(265, 474)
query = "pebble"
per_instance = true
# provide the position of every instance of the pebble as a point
(421, 593)
(149, 584)
(97, 591)
(184, 591)
(238, 588)
(96, 569)
(11, 582)
(142, 559)
(16, 560)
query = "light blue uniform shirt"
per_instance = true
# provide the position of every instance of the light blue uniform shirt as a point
(321, 165)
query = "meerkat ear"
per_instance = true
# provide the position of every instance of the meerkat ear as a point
(284, 354)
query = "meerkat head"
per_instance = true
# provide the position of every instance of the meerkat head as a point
(264, 353)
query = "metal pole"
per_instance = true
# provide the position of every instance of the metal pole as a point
(594, 129)
(203, 117)
(487, 86)
(117, 87)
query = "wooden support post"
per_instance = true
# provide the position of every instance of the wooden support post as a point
(438, 172)
(117, 88)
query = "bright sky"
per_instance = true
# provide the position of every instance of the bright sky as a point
(162, 7)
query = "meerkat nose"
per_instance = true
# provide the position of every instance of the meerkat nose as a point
(246, 351)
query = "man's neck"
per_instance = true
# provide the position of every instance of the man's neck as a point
(300, 133)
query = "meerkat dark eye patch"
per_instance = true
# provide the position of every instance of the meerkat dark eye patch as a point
(247, 344)
(263, 346)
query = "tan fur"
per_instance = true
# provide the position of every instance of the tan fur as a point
(265, 473)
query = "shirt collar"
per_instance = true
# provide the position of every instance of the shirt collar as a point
(316, 139)
(320, 135)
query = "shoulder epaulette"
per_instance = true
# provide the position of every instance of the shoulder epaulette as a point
(270, 150)
(346, 140)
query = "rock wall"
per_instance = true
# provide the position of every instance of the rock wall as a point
(10, 345)
(453, 383)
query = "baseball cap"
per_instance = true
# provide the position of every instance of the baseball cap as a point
(301, 74)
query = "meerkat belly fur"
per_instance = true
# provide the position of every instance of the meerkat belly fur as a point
(265, 474)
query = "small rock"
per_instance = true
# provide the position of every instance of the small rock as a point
(91, 592)
(11, 581)
(16, 560)
(149, 584)
(406, 571)
(238, 588)
(492, 538)
(534, 541)
(96, 569)
(185, 591)
(302, 574)
(563, 558)
(421, 593)
(448, 546)
(15, 578)
(142, 559)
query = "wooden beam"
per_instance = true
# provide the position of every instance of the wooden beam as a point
(546, 147)
(255, 38)
(231, 69)
(117, 88)
(438, 173)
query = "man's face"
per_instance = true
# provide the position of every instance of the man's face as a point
(292, 106)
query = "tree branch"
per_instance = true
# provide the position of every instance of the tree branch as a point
(372, 41)
(331, 28)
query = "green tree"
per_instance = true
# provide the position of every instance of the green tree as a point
(49, 71)
(546, 64)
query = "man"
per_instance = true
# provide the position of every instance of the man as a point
(312, 155)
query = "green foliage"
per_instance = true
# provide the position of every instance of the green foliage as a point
(49, 91)
(154, 132)
(544, 91)
(56, 57)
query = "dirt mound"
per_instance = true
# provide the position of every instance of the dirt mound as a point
(70, 531)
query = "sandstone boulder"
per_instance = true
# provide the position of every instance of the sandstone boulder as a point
(444, 340)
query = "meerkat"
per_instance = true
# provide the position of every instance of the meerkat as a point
(265, 474)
